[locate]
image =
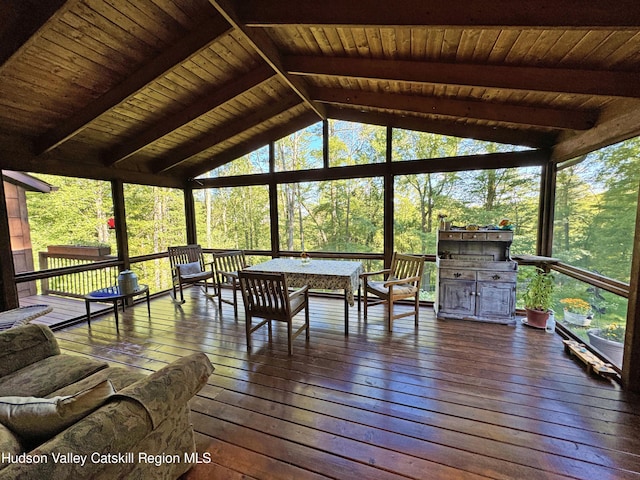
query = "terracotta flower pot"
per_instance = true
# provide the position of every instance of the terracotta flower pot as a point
(537, 318)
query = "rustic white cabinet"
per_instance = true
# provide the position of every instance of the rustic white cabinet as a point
(476, 276)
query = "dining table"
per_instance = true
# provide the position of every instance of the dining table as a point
(318, 274)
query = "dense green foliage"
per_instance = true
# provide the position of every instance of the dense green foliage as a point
(594, 212)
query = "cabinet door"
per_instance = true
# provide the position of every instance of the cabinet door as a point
(496, 299)
(457, 297)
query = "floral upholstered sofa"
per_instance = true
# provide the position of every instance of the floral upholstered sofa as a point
(73, 417)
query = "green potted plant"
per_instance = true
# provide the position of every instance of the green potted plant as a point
(537, 298)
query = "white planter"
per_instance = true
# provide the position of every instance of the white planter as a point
(578, 319)
(610, 349)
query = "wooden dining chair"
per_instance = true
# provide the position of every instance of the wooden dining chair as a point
(402, 280)
(188, 267)
(227, 265)
(266, 296)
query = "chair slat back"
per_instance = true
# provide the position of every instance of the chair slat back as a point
(265, 294)
(232, 261)
(407, 266)
(179, 255)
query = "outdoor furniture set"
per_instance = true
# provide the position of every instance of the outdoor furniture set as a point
(265, 287)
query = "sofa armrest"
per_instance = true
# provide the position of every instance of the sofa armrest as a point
(112, 430)
(170, 387)
(24, 345)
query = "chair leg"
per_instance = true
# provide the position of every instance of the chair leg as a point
(247, 322)
(306, 320)
(219, 295)
(235, 297)
(181, 294)
(290, 336)
(366, 302)
(390, 315)
(417, 306)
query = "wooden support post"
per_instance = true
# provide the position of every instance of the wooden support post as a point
(120, 217)
(546, 209)
(388, 201)
(8, 289)
(631, 358)
(273, 203)
(325, 144)
(190, 215)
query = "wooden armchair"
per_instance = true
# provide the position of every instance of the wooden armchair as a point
(401, 280)
(227, 265)
(266, 296)
(188, 267)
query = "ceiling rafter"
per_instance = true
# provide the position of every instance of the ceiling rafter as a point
(541, 14)
(225, 132)
(18, 156)
(265, 47)
(619, 121)
(28, 17)
(216, 97)
(168, 59)
(527, 138)
(557, 80)
(520, 114)
(260, 140)
(529, 158)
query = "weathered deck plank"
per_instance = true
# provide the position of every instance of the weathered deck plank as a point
(457, 400)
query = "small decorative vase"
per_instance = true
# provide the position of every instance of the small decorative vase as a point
(578, 319)
(610, 349)
(127, 282)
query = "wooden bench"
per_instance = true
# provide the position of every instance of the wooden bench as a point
(188, 267)
(593, 363)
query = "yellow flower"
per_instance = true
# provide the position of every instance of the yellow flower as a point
(576, 305)
(613, 332)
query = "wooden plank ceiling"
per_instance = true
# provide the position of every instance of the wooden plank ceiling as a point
(161, 91)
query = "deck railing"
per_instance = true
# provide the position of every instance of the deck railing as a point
(76, 283)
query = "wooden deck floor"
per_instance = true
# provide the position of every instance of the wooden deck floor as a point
(64, 310)
(455, 400)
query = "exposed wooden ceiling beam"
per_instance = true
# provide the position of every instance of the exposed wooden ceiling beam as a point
(545, 14)
(529, 158)
(169, 58)
(17, 155)
(619, 121)
(499, 112)
(257, 141)
(265, 47)
(215, 98)
(229, 130)
(559, 80)
(24, 18)
(527, 138)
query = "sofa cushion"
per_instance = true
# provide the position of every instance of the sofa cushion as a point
(22, 346)
(48, 375)
(9, 444)
(119, 377)
(35, 419)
